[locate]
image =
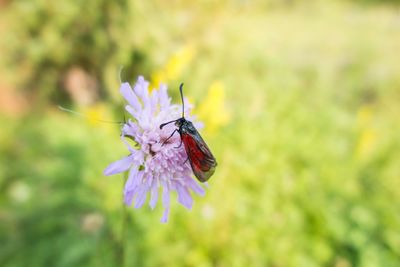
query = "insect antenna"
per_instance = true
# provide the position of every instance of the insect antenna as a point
(87, 117)
(183, 103)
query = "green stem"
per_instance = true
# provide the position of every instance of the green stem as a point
(121, 254)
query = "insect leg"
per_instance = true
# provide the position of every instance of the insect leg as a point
(186, 160)
(180, 144)
(170, 136)
(162, 125)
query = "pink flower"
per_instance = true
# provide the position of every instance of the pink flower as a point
(153, 166)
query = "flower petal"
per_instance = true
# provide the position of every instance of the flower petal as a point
(127, 93)
(141, 89)
(165, 196)
(128, 197)
(138, 179)
(154, 101)
(130, 128)
(184, 196)
(153, 196)
(130, 183)
(163, 98)
(130, 148)
(195, 186)
(119, 166)
(164, 218)
(141, 197)
(166, 203)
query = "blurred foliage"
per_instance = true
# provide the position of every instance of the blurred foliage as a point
(59, 36)
(300, 101)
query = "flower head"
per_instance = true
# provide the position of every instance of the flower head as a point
(154, 165)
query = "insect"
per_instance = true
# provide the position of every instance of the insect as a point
(199, 155)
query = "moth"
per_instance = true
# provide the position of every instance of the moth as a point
(201, 159)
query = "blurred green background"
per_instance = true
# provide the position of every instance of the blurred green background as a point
(300, 101)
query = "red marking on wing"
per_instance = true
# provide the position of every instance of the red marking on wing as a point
(202, 161)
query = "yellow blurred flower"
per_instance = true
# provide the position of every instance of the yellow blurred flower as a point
(367, 138)
(366, 143)
(174, 67)
(157, 78)
(96, 114)
(178, 62)
(212, 109)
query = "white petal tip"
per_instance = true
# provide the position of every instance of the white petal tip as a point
(164, 218)
(107, 172)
